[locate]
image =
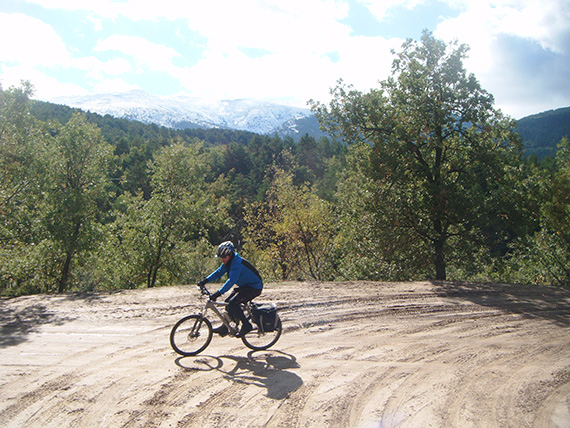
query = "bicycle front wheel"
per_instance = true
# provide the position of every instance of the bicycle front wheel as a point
(191, 335)
(259, 341)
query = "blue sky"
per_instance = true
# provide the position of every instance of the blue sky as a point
(288, 51)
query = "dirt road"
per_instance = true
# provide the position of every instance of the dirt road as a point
(357, 354)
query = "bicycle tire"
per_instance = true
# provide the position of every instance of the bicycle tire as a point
(259, 341)
(191, 335)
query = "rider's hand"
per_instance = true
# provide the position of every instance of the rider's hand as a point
(214, 296)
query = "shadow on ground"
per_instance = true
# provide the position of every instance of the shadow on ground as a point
(550, 303)
(17, 323)
(264, 369)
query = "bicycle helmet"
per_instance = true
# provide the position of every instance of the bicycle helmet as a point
(225, 249)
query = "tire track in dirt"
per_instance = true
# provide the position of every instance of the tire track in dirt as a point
(25, 407)
(355, 354)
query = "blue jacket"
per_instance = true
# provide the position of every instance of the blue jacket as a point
(240, 272)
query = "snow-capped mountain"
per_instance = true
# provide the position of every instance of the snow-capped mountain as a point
(180, 112)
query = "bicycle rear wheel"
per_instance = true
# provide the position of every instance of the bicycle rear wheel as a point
(258, 340)
(191, 335)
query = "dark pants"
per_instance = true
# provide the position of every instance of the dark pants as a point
(236, 298)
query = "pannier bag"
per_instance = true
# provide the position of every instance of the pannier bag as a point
(265, 316)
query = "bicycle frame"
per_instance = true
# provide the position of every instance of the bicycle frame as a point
(221, 315)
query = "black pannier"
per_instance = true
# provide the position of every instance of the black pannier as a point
(265, 316)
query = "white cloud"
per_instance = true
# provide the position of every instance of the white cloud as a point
(270, 24)
(113, 86)
(116, 67)
(372, 57)
(297, 37)
(101, 8)
(27, 40)
(215, 11)
(97, 22)
(380, 8)
(97, 71)
(294, 37)
(35, 52)
(144, 52)
(275, 26)
(482, 21)
(506, 37)
(293, 76)
(45, 87)
(547, 23)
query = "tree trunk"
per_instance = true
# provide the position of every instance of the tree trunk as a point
(153, 271)
(151, 282)
(439, 260)
(68, 257)
(65, 273)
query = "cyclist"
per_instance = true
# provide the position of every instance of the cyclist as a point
(245, 276)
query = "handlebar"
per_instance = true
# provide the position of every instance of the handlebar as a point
(204, 290)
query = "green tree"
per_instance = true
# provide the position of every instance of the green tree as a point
(77, 186)
(544, 258)
(557, 210)
(154, 234)
(441, 160)
(21, 146)
(22, 171)
(370, 249)
(294, 228)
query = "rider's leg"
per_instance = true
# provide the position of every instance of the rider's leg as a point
(243, 295)
(230, 307)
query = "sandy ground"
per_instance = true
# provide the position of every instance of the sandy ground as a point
(356, 354)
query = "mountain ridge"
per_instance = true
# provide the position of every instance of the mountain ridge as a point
(181, 112)
(540, 132)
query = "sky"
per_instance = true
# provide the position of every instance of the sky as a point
(288, 51)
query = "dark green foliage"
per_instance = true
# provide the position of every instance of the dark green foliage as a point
(542, 132)
(75, 189)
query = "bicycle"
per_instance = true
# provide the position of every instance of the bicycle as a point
(193, 333)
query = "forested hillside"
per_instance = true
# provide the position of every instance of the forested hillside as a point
(429, 182)
(542, 132)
